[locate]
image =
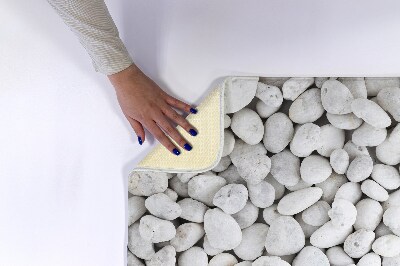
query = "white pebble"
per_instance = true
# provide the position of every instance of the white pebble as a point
(223, 259)
(244, 263)
(375, 85)
(231, 198)
(374, 190)
(382, 230)
(331, 186)
(179, 187)
(353, 150)
(347, 121)
(284, 237)
(387, 176)
(270, 95)
(349, 191)
(367, 135)
(331, 138)
(187, 235)
(278, 82)
(222, 230)
(223, 164)
(315, 169)
(204, 187)
(285, 168)
(317, 214)
(139, 246)
(279, 188)
(339, 161)
(185, 177)
(270, 261)
(389, 100)
(209, 249)
(359, 243)
(394, 261)
(330, 235)
(227, 121)
(307, 107)
(278, 132)
(229, 142)
(319, 81)
(336, 97)
(163, 207)
(299, 200)
(311, 256)
(300, 185)
(136, 209)
(337, 256)
(253, 240)
(253, 168)
(371, 113)
(293, 87)
(192, 210)
(239, 92)
(265, 111)
(369, 214)
(360, 168)
(370, 259)
(271, 213)
(246, 216)
(388, 152)
(307, 229)
(262, 194)
(343, 213)
(232, 176)
(242, 148)
(164, 257)
(387, 246)
(171, 194)
(147, 183)
(155, 229)
(356, 86)
(306, 140)
(194, 256)
(247, 125)
(132, 260)
(391, 218)
(394, 200)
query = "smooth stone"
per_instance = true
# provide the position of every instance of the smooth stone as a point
(222, 230)
(299, 200)
(371, 113)
(187, 235)
(336, 97)
(307, 107)
(239, 92)
(284, 237)
(278, 132)
(247, 125)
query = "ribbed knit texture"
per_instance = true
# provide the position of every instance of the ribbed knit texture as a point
(91, 21)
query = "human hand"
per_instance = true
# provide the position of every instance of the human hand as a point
(144, 104)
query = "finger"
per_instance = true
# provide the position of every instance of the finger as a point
(172, 132)
(161, 137)
(138, 128)
(180, 105)
(180, 120)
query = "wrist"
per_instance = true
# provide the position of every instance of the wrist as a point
(129, 73)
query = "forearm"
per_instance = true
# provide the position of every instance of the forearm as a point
(96, 31)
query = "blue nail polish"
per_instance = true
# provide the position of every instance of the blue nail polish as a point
(140, 140)
(193, 132)
(193, 110)
(187, 147)
(176, 152)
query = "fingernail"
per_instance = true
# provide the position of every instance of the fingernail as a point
(140, 140)
(176, 152)
(187, 147)
(193, 110)
(193, 132)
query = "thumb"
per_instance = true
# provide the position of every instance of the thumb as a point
(138, 128)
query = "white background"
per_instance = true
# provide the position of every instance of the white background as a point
(65, 148)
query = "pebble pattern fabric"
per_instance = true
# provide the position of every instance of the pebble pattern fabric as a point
(91, 21)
